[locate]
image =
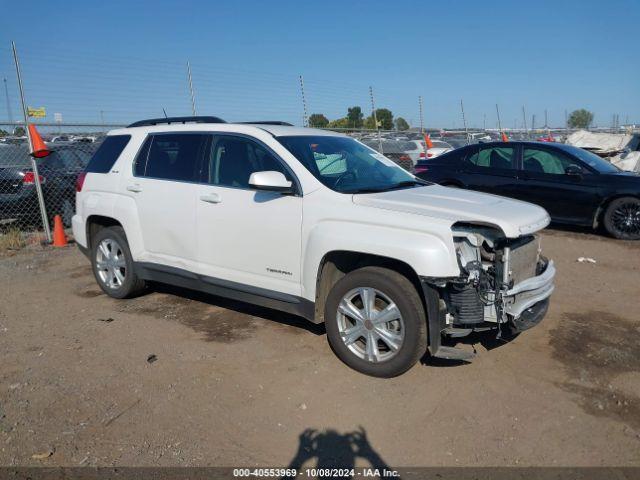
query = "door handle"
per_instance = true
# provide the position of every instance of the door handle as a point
(211, 198)
(134, 188)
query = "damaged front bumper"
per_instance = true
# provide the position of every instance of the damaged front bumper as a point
(500, 297)
(527, 302)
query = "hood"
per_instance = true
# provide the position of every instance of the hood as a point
(513, 217)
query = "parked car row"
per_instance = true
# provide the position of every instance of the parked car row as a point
(58, 173)
(407, 153)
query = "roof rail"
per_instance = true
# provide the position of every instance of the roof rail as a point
(267, 122)
(169, 120)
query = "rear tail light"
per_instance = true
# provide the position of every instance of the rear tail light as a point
(80, 181)
(404, 157)
(429, 155)
(29, 178)
(420, 169)
(422, 155)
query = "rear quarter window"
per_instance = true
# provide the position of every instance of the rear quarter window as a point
(107, 154)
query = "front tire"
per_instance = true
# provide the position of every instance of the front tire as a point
(622, 218)
(375, 322)
(113, 265)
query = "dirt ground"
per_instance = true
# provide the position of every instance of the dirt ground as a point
(180, 378)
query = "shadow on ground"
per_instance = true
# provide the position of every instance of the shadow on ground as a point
(330, 449)
(488, 339)
(219, 319)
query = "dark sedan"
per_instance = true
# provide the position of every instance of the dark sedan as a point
(58, 173)
(575, 186)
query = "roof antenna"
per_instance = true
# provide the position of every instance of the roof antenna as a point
(165, 113)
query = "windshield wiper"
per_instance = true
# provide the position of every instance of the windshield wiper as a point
(406, 183)
(395, 186)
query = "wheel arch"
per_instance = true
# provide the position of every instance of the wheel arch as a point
(338, 263)
(96, 223)
(602, 208)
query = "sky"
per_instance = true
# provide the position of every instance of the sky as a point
(119, 61)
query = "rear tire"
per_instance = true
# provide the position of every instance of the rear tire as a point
(385, 339)
(622, 218)
(113, 265)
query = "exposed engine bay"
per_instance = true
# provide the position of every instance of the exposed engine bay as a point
(504, 283)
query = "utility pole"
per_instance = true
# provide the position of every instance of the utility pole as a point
(484, 121)
(421, 119)
(193, 97)
(566, 122)
(102, 116)
(375, 119)
(464, 121)
(533, 122)
(546, 120)
(524, 119)
(6, 94)
(304, 104)
(34, 165)
(498, 114)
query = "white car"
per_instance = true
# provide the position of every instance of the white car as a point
(420, 152)
(439, 147)
(315, 223)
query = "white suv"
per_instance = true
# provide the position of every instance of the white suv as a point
(314, 223)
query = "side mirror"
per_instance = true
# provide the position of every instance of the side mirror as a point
(271, 181)
(574, 170)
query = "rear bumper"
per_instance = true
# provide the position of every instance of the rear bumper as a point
(79, 231)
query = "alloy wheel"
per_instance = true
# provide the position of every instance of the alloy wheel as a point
(370, 324)
(110, 263)
(626, 218)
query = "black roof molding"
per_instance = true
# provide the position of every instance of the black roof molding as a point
(171, 120)
(267, 122)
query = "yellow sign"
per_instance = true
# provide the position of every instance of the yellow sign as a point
(36, 112)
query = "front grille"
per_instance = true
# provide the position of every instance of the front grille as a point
(524, 258)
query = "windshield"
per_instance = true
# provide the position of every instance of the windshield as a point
(347, 166)
(594, 161)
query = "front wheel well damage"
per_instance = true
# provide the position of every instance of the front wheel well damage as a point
(337, 264)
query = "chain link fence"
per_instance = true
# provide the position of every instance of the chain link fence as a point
(21, 217)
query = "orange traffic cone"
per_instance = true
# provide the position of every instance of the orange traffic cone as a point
(40, 150)
(427, 140)
(59, 238)
(504, 137)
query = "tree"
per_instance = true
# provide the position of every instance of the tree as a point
(385, 119)
(19, 132)
(369, 124)
(340, 123)
(318, 120)
(401, 124)
(580, 118)
(3, 133)
(355, 117)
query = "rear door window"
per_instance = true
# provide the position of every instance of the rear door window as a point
(494, 158)
(107, 154)
(172, 156)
